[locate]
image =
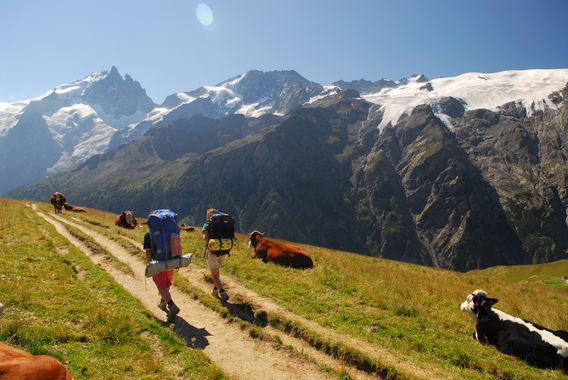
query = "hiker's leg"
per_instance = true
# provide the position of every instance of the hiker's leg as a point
(163, 282)
(165, 294)
(214, 264)
(215, 275)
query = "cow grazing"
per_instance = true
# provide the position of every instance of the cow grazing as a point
(279, 253)
(57, 200)
(126, 219)
(69, 207)
(18, 364)
(535, 344)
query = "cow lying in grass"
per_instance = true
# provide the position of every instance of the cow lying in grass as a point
(126, 219)
(279, 253)
(69, 207)
(183, 227)
(18, 364)
(535, 344)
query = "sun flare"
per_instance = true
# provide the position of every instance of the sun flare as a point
(204, 14)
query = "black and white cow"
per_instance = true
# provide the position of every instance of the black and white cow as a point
(535, 344)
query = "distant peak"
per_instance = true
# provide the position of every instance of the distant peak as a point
(278, 75)
(419, 78)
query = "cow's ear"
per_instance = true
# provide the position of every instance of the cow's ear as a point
(492, 301)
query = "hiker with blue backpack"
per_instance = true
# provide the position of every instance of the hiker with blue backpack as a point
(162, 244)
(219, 235)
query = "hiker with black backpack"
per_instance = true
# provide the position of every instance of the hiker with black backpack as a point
(219, 234)
(161, 243)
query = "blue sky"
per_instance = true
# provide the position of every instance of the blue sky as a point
(163, 45)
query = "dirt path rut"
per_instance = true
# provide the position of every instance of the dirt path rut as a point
(225, 344)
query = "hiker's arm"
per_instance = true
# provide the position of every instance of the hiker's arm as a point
(148, 255)
(205, 235)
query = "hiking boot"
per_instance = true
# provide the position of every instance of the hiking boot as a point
(163, 305)
(215, 293)
(173, 310)
(223, 296)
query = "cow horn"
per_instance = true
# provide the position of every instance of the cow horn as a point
(256, 232)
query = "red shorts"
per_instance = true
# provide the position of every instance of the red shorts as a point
(164, 279)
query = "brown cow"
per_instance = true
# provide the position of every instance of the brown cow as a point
(69, 207)
(18, 364)
(279, 253)
(126, 219)
(183, 227)
(58, 200)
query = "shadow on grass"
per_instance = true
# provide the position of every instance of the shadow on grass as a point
(193, 337)
(245, 311)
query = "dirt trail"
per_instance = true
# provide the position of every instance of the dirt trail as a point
(236, 290)
(225, 344)
(197, 278)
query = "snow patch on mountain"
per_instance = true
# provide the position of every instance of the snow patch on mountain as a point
(156, 114)
(327, 91)
(80, 132)
(121, 122)
(253, 110)
(184, 97)
(477, 90)
(73, 91)
(8, 113)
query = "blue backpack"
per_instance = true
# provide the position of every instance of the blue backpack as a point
(163, 231)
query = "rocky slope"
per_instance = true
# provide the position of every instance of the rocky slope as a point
(525, 159)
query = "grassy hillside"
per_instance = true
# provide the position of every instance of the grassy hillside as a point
(411, 310)
(58, 302)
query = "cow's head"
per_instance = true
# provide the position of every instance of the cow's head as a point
(475, 301)
(254, 237)
(129, 217)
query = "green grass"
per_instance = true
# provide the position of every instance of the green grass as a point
(58, 302)
(411, 310)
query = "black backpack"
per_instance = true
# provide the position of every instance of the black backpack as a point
(221, 233)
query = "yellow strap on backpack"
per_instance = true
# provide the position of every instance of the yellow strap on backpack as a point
(220, 244)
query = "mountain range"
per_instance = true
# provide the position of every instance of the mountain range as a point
(462, 172)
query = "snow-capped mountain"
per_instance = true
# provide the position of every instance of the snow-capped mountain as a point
(104, 110)
(525, 88)
(423, 167)
(75, 120)
(252, 94)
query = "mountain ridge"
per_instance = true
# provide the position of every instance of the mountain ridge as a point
(78, 120)
(438, 183)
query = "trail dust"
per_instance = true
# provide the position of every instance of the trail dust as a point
(232, 349)
(197, 278)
